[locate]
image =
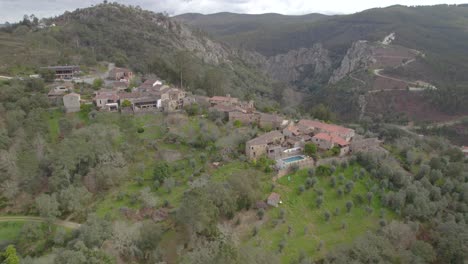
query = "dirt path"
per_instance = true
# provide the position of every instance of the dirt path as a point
(377, 73)
(5, 77)
(66, 224)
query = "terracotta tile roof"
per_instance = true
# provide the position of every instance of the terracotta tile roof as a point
(465, 149)
(332, 138)
(323, 126)
(107, 95)
(266, 138)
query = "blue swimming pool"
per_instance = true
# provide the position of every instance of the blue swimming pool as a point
(293, 159)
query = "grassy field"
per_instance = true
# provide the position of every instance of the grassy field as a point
(54, 129)
(9, 231)
(307, 222)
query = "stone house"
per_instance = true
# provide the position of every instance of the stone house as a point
(274, 199)
(311, 126)
(244, 118)
(64, 72)
(271, 121)
(364, 145)
(120, 74)
(291, 131)
(150, 84)
(177, 96)
(328, 141)
(261, 145)
(146, 103)
(119, 86)
(106, 99)
(71, 102)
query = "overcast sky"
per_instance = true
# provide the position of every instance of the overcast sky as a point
(13, 10)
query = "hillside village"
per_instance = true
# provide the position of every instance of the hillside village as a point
(127, 136)
(285, 141)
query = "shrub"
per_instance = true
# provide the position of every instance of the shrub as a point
(237, 123)
(319, 201)
(126, 103)
(323, 170)
(327, 216)
(349, 205)
(301, 189)
(140, 130)
(260, 213)
(310, 149)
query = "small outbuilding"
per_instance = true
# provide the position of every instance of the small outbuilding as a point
(71, 102)
(465, 151)
(274, 199)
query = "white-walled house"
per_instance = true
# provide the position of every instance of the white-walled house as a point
(71, 102)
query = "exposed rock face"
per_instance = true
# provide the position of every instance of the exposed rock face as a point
(204, 48)
(360, 55)
(297, 65)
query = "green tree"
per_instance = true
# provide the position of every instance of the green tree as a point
(95, 231)
(161, 172)
(74, 199)
(214, 82)
(349, 205)
(97, 83)
(310, 149)
(10, 256)
(47, 75)
(48, 206)
(198, 213)
(322, 112)
(150, 236)
(126, 103)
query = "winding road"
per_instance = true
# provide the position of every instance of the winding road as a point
(66, 224)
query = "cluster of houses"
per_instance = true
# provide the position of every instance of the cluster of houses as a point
(244, 112)
(287, 144)
(152, 95)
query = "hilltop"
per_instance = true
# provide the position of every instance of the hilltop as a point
(144, 41)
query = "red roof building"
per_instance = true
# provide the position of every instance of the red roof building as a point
(316, 126)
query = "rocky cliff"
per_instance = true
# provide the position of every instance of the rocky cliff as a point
(360, 55)
(299, 65)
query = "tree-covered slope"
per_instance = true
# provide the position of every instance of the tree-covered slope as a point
(144, 41)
